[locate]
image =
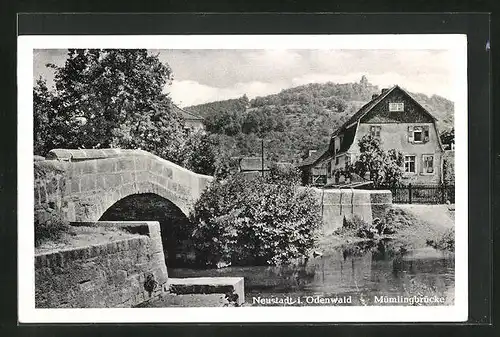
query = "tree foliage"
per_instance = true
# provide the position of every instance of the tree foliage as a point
(448, 137)
(200, 153)
(108, 98)
(281, 173)
(384, 168)
(248, 222)
(222, 117)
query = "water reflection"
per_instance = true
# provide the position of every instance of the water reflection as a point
(363, 270)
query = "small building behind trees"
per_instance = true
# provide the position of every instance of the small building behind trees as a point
(315, 167)
(191, 120)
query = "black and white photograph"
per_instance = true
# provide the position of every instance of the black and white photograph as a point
(244, 178)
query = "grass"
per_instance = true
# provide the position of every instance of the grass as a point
(410, 230)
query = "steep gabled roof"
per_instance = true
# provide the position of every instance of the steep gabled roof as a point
(371, 104)
(314, 158)
(363, 111)
(186, 115)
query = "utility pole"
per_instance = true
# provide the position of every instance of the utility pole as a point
(262, 155)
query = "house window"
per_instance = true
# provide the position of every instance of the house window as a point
(396, 107)
(336, 160)
(410, 164)
(418, 134)
(375, 131)
(329, 169)
(428, 163)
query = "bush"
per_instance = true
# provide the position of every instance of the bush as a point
(249, 222)
(358, 227)
(283, 173)
(49, 226)
(445, 242)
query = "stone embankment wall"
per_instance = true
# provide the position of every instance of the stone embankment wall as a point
(121, 273)
(337, 204)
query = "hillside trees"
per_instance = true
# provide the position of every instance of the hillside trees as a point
(223, 117)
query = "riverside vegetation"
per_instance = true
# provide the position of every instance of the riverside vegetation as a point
(254, 222)
(398, 225)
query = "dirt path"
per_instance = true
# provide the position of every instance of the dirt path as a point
(436, 215)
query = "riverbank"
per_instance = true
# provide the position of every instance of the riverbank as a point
(415, 226)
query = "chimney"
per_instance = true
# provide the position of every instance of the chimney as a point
(385, 90)
(374, 96)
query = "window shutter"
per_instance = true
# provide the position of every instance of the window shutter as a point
(426, 133)
(422, 169)
(410, 134)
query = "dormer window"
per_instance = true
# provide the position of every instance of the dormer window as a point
(396, 107)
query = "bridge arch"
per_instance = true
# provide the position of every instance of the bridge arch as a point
(83, 184)
(175, 229)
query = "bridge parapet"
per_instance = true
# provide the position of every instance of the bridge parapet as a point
(83, 184)
(91, 154)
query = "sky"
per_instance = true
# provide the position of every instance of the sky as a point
(202, 75)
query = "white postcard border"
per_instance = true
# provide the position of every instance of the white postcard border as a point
(27, 312)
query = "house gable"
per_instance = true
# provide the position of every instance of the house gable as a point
(412, 112)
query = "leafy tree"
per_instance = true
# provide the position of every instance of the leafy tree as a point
(448, 137)
(383, 167)
(109, 98)
(45, 120)
(200, 153)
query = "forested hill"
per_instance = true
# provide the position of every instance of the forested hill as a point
(296, 119)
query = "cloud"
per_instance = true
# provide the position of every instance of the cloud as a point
(204, 75)
(186, 93)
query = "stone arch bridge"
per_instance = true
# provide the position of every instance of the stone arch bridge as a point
(82, 184)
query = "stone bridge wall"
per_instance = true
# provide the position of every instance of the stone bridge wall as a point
(104, 275)
(83, 184)
(346, 203)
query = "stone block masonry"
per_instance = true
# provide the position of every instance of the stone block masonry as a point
(82, 184)
(337, 204)
(231, 287)
(122, 273)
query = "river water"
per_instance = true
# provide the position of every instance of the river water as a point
(366, 273)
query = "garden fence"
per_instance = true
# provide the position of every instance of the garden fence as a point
(421, 194)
